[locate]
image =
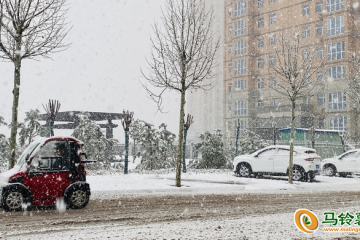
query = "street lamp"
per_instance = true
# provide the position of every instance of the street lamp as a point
(126, 121)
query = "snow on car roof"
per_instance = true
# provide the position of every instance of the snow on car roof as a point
(298, 148)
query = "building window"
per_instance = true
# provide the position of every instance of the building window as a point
(273, 81)
(306, 53)
(319, 6)
(319, 53)
(230, 31)
(240, 27)
(240, 47)
(338, 123)
(272, 60)
(321, 123)
(229, 107)
(272, 39)
(229, 87)
(273, 18)
(260, 42)
(230, 67)
(337, 100)
(240, 107)
(260, 3)
(230, 12)
(240, 67)
(337, 72)
(261, 22)
(335, 26)
(230, 49)
(240, 8)
(306, 32)
(261, 83)
(334, 5)
(229, 125)
(321, 100)
(307, 100)
(260, 103)
(260, 63)
(273, 102)
(306, 10)
(319, 29)
(320, 75)
(272, 1)
(336, 50)
(240, 84)
(242, 128)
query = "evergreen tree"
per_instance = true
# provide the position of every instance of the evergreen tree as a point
(31, 128)
(211, 152)
(251, 143)
(136, 132)
(159, 150)
(96, 145)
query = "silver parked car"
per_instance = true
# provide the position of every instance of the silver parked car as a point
(346, 164)
(274, 160)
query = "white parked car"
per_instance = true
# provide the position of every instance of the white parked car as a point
(347, 163)
(274, 160)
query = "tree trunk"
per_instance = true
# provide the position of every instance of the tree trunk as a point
(181, 136)
(291, 160)
(14, 119)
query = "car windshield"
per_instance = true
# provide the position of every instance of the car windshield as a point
(27, 151)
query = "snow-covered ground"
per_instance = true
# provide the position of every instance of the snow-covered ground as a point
(266, 226)
(209, 181)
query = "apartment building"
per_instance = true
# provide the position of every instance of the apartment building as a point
(252, 31)
(207, 106)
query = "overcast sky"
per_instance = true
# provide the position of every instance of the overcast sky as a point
(101, 70)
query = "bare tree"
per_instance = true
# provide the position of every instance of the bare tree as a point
(350, 84)
(29, 29)
(294, 71)
(182, 56)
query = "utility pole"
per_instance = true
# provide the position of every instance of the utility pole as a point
(312, 136)
(126, 121)
(51, 109)
(273, 124)
(189, 121)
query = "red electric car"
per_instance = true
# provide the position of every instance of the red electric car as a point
(48, 170)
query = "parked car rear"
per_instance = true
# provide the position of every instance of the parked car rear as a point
(274, 160)
(345, 164)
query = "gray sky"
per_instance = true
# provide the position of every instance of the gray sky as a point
(101, 70)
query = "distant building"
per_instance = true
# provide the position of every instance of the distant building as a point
(251, 31)
(207, 107)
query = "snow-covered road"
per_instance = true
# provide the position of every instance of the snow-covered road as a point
(216, 205)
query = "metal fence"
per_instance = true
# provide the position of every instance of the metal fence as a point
(323, 149)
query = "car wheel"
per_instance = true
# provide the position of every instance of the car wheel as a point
(13, 200)
(244, 170)
(77, 198)
(298, 174)
(330, 170)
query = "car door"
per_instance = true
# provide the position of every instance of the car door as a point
(347, 162)
(264, 161)
(281, 162)
(357, 161)
(48, 173)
